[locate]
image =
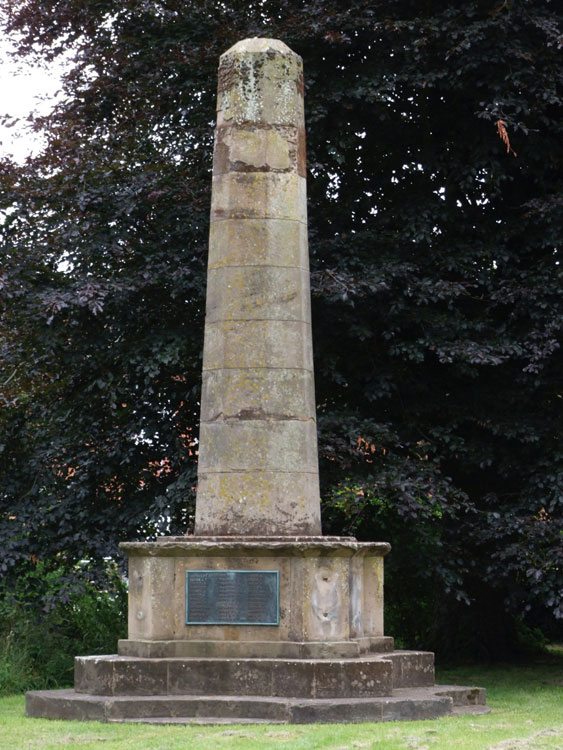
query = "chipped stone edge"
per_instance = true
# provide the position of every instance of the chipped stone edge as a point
(201, 545)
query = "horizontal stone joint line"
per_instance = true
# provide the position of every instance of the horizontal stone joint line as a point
(259, 368)
(294, 121)
(259, 320)
(234, 217)
(257, 125)
(256, 265)
(280, 218)
(242, 166)
(258, 471)
(248, 415)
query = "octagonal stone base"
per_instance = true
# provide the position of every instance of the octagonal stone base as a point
(330, 588)
(327, 660)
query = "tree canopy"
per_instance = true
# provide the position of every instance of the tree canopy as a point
(435, 174)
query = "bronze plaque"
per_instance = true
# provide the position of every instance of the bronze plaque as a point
(232, 597)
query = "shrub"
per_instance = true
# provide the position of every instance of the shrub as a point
(47, 617)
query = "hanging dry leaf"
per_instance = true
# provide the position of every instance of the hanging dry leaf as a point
(499, 8)
(503, 134)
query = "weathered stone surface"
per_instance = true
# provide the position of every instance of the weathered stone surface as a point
(326, 588)
(405, 704)
(302, 678)
(410, 709)
(259, 195)
(252, 147)
(267, 394)
(200, 677)
(150, 582)
(260, 81)
(65, 704)
(226, 707)
(258, 466)
(353, 678)
(463, 696)
(256, 648)
(94, 674)
(319, 580)
(255, 544)
(258, 293)
(258, 242)
(257, 344)
(120, 675)
(257, 445)
(271, 497)
(412, 668)
(366, 595)
(140, 677)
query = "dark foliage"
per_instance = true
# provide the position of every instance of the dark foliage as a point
(47, 617)
(437, 289)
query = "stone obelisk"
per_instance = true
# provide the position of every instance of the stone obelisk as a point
(256, 616)
(258, 466)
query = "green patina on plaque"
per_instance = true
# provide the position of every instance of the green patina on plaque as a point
(232, 597)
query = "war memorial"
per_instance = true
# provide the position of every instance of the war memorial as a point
(257, 616)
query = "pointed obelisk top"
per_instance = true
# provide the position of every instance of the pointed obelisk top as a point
(259, 44)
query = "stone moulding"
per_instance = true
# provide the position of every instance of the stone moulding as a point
(297, 545)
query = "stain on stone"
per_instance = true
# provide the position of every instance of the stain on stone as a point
(259, 414)
(220, 157)
(301, 153)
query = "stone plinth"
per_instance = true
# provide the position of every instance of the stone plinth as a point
(331, 589)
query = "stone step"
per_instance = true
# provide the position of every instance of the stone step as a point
(411, 668)
(187, 721)
(360, 677)
(162, 649)
(404, 704)
(299, 678)
(463, 696)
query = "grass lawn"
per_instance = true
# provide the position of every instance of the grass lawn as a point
(526, 703)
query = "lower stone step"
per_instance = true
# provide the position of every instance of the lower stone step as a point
(406, 704)
(193, 721)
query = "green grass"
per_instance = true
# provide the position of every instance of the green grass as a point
(526, 702)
